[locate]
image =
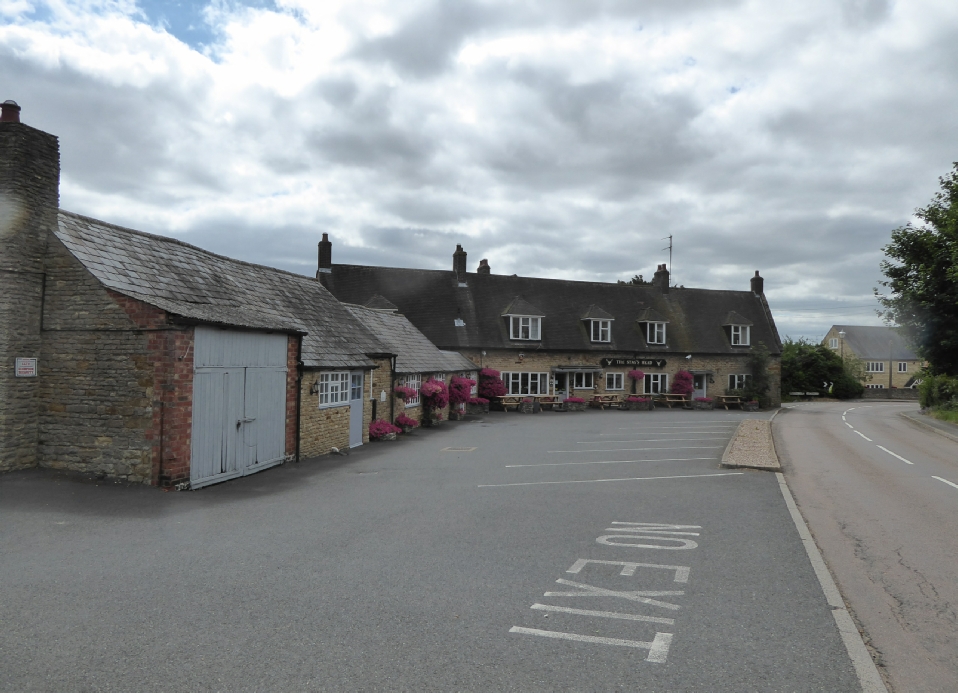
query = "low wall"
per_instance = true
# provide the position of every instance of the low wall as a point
(894, 393)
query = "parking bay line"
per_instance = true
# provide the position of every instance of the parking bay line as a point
(658, 648)
(945, 481)
(893, 454)
(564, 464)
(682, 447)
(596, 481)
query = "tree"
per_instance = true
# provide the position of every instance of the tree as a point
(757, 387)
(922, 272)
(636, 280)
(807, 367)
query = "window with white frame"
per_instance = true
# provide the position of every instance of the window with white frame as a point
(614, 381)
(902, 366)
(333, 388)
(523, 327)
(656, 383)
(601, 330)
(583, 380)
(655, 332)
(414, 381)
(474, 390)
(875, 367)
(833, 342)
(526, 383)
(740, 335)
(737, 381)
(875, 386)
(356, 386)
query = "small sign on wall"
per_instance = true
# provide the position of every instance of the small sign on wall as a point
(26, 368)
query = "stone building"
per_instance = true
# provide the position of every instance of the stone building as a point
(890, 362)
(555, 336)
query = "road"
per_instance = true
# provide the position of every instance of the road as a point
(880, 495)
(555, 551)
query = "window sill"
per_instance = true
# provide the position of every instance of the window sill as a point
(334, 406)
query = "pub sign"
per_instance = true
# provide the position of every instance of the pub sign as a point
(648, 363)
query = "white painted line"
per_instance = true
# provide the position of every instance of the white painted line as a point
(597, 481)
(658, 648)
(604, 614)
(864, 436)
(565, 464)
(945, 481)
(849, 425)
(643, 440)
(629, 568)
(868, 675)
(843, 417)
(680, 447)
(671, 428)
(893, 454)
(642, 596)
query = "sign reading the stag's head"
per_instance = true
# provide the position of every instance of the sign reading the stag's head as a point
(644, 363)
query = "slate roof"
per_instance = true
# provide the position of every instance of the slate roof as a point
(433, 300)
(596, 313)
(414, 352)
(876, 343)
(192, 283)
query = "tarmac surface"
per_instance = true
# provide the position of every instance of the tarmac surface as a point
(554, 551)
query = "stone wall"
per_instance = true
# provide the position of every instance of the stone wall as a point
(29, 199)
(895, 393)
(323, 429)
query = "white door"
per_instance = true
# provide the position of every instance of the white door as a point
(355, 408)
(699, 385)
(239, 404)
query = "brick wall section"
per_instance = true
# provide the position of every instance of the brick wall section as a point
(542, 361)
(29, 198)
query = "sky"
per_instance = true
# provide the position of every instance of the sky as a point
(556, 138)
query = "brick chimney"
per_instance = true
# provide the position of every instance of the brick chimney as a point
(661, 278)
(758, 284)
(325, 256)
(459, 263)
(29, 202)
(483, 267)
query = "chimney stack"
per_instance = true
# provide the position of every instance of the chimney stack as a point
(661, 278)
(325, 256)
(459, 263)
(758, 284)
(483, 267)
(9, 112)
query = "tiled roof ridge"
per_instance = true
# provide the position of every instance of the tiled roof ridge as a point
(170, 239)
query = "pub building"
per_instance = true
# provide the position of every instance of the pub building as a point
(575, 338)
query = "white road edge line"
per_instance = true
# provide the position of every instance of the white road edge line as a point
(849, 425)
(596, 481)
(565, 464)
(945, 481)
(865, 668)
(864, 436)
(681, 447)
(894, 455)
(645, 440)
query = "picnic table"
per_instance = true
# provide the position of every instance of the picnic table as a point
(515, 401)
(730, 401)
(670, 399)
(603, 401)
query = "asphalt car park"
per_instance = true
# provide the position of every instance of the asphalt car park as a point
(560, 550)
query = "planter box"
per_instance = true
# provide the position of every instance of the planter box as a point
(574, 406)
(406, 429)
(527, 408)
(638, 406)
(455, 415)
(430, 423)
(477, 409)
(750, 406)
(703, 405)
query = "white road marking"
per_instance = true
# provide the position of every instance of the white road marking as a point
(849, 425)
(945, 481)
(597, 481)
(564, 464)
(642, 596)
(681, 447)
(670, 428)
(683, 543)
(864, 436)
(642, 440)
(843, 417)
(628, 568)
(603, 614)
(658, 648)
(893, 454)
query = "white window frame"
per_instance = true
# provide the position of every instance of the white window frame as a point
(583, 380)
(614, 381)
(333, 389)
(833, 342)
(741, 335)
(902, 366)
(655, 333)
(474, 390)
(738, 381)
(655, 383)
(875, 367)
(413, 380)
(530, 325)
(601, 330)
(526, 383)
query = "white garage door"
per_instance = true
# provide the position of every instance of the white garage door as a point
(239, 404)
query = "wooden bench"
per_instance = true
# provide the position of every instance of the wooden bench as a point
(669, 400)
(730, 401)
(511, 401)
(548, 400)
(603, 401)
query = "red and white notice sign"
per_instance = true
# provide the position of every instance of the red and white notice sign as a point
(26, 368)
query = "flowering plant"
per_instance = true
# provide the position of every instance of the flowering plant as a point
(637, 375)
(380, 429)
(703, 399)
(435, 394)
(406, 422)
(478, 400)
(490, 384)
(459, 389)
(573, 400)
(682, 383)
(489, 373)
(527, 400)
(404, 393)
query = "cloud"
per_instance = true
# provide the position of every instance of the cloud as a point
(557, 138)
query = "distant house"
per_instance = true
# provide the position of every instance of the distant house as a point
(889, 360)
(566, 338)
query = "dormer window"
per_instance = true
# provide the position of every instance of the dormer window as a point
(738, 330)
(740, 335)
(655, 332)
(601, 330)
(525, 327)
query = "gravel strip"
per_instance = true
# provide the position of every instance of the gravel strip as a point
(752, 447)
